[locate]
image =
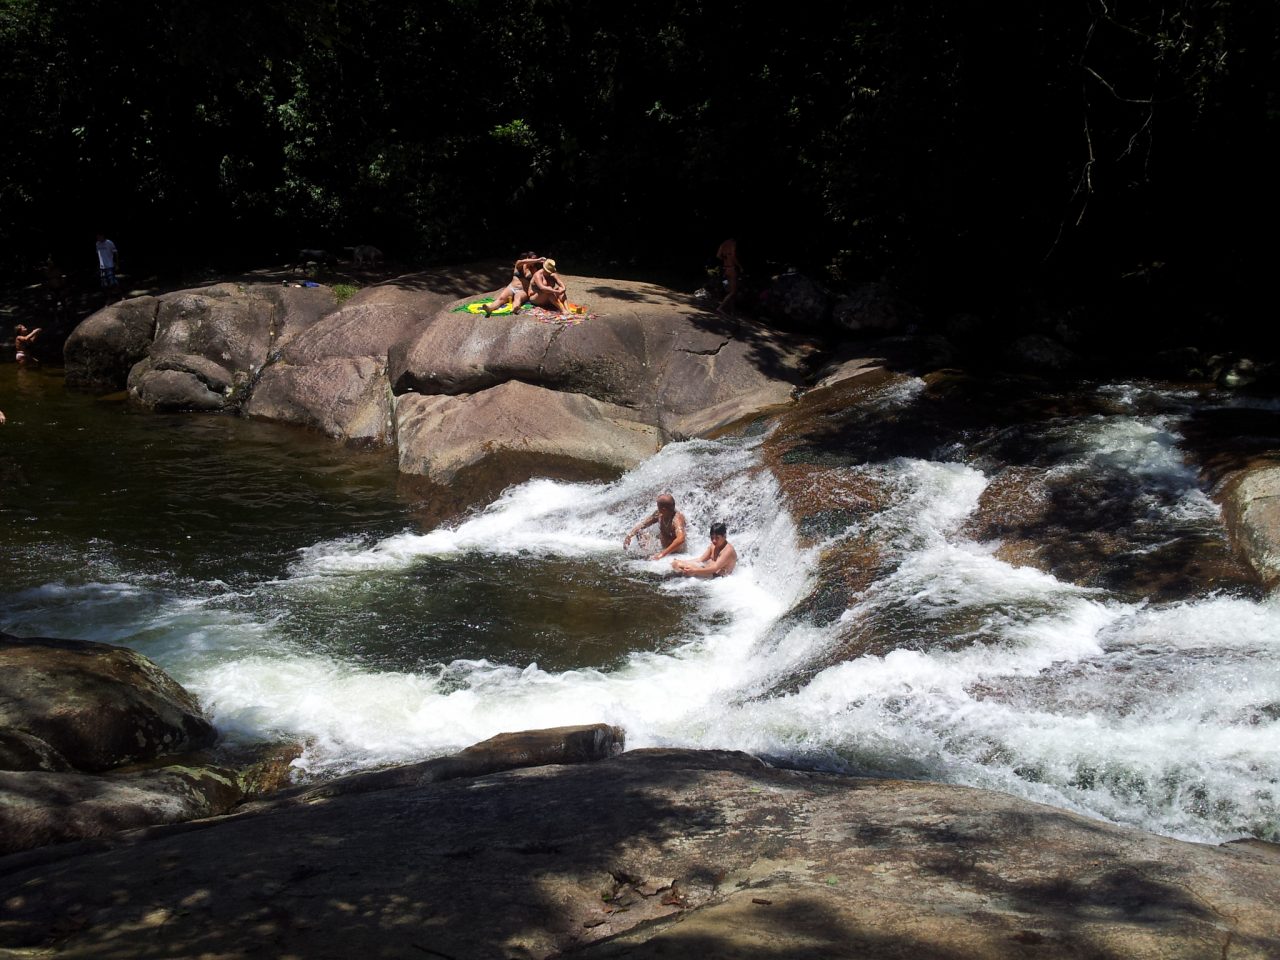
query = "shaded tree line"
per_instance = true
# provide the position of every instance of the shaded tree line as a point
(958, 150)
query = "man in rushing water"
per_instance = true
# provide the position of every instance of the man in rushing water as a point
(671, 524)
(718, 561)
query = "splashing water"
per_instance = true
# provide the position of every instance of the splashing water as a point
(1165, 716)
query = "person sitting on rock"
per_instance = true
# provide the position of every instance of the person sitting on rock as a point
(671, 524)
(547, 290)
(22, 341)
(718, 560)
(517, 291)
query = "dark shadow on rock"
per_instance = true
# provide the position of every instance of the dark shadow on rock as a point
(374, 875)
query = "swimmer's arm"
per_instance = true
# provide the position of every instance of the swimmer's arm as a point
(708, 570)
(646, 522)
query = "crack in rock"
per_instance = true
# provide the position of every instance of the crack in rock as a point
(706, 353)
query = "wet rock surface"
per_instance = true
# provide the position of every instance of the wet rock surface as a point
(655, 853)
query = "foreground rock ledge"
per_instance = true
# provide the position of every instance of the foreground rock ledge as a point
(656, 853)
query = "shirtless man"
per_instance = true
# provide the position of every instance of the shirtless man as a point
(671, 526)
(728, 254)
(547, 290)
(718, 561)
(517, 291)
(22, 341)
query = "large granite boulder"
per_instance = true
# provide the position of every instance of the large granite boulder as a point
(331, 375)
(103, 348)
(648, 349)
(90, 706)
(440, 436)
(191, 349)
(648, 366)
(346, 398)
(658, 853)
(1251, 508)
(210, 343)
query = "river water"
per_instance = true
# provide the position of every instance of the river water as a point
(287, 581)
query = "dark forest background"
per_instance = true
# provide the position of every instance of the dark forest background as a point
(965, 152)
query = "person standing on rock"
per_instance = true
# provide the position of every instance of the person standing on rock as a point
(547, 290)
(516, 292)
(718, 560)
(728, 256)
(108, 256)
(671, 525)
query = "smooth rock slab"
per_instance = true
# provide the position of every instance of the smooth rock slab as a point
(39, 808)
(668, 853)
(439, 436)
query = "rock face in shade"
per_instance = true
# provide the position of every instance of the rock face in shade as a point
(70, 711)
(103, 349)
(93, 705)
(657, 853)
(39, 808)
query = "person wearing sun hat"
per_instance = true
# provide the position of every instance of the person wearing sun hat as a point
(547, 290)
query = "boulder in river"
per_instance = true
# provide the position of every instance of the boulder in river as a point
(93, 706)
(440, 436)
(1251, 500)
(102, 350)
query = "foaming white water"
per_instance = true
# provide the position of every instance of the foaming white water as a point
(355, 717)
(1004, 677)
(978, 672)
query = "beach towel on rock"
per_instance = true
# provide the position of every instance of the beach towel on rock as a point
(477, 306)
(576, 312)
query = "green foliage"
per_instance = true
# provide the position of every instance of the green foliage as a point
(343, 292)
(1058, 143)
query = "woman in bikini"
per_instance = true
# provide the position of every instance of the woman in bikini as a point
(517, 291)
